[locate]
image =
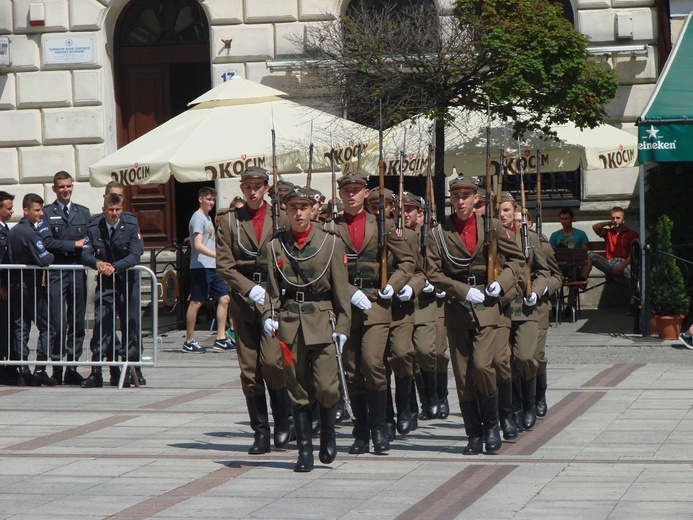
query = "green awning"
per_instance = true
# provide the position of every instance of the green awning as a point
(665, 128)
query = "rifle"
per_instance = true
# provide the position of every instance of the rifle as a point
(499, 182)
(309, 174)
(334, 183)
(400, 194)
(538, 209)
(429, 203)
(382, 232)
(275, 191)
(492, 264)
(525, 227)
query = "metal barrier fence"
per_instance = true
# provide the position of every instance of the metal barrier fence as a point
(74, 323)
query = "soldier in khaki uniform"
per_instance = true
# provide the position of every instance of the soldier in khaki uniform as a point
(310, 312)
(457, 264)
(524, 329)
(371, 312)
(242, 238)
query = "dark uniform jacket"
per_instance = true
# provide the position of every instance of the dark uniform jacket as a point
(454, 269)
(123, 251)
(26, 245)
(364, 269)
(4, 256)
(324, 275)
(64, 232)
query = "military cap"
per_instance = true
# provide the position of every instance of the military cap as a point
(283, 185)
(298, 193)
(317, 195)
(410, 198)
(507, 197)
(352, 178)
(460, 183)
(255, 172)
(375, 194)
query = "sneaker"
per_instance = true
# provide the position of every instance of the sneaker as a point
(687, 340)
(223, 345)
(193, 347)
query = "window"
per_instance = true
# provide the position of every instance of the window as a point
(164, 21)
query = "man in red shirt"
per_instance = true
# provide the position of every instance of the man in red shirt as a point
(619, 238)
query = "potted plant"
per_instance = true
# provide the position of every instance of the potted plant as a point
(669, 300)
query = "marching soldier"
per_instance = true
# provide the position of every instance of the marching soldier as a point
(67, 222)
(112, 246)
(310, 312)
(524, 329)
(242, 238)
(371, 312)
(457, 263)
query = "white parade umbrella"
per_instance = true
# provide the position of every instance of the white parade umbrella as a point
(603, 147)
(227, 130)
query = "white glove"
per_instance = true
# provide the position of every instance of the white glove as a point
(546, 291)
(440, 294)
(428, 288)
(531, 300)
(406, 293)
(361, 301)
(257, 294)
(339, 341)
(474, 296)
(270, 326)
(493, 290)
(387, 293)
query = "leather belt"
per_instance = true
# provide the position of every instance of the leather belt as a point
(474, 279)
(364, 283)
(257, 277)
(301, 296)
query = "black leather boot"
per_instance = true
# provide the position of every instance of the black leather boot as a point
(304, 440)
(360, 420)
(341, 409)
(505, 410)
(390, 424)
(376, 420)
(114, 375)
(542, 407)
(281, 411)
(41, 374)
(315, 417)
(328, 441)
(26, 378)
(431, 403)
(402, 399)
(473, 428)
(72, 377)
(94, 380)
(57, 375)
(529, 404)
(413, 406)
(488, 407)
(517, 404)
(442, 393)
(259, 422)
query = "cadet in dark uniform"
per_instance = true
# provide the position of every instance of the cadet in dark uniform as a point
(28, 289)
(457, 263)
(113, 245)
(309, 310)
(364, 352)
(67, 295)
(8, 375)
(242, 238)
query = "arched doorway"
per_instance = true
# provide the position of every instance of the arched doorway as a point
(161, 62)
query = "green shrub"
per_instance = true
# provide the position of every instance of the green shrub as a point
(668, 295)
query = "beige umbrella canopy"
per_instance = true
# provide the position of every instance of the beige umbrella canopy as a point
(227, 130)
(603, 147)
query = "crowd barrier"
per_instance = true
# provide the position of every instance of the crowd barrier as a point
(37, 329)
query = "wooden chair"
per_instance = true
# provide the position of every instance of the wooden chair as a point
(571, 262)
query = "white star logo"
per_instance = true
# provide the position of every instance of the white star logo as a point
(652, 132)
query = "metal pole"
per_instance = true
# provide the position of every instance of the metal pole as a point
(644, 286)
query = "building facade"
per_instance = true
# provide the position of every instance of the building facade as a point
(79, 78)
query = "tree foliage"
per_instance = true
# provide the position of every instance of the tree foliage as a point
(668, 294)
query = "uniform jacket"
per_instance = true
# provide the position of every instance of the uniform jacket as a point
(123, 251)
(364, 264)
(26, 244)
(64, 232)
(426, 305)
(450, 264)
(539, 276)
(403, 312)
(240, 257)
(322, 263)
(4, 256)
(555, 283)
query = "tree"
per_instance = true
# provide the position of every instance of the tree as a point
(520, 57)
